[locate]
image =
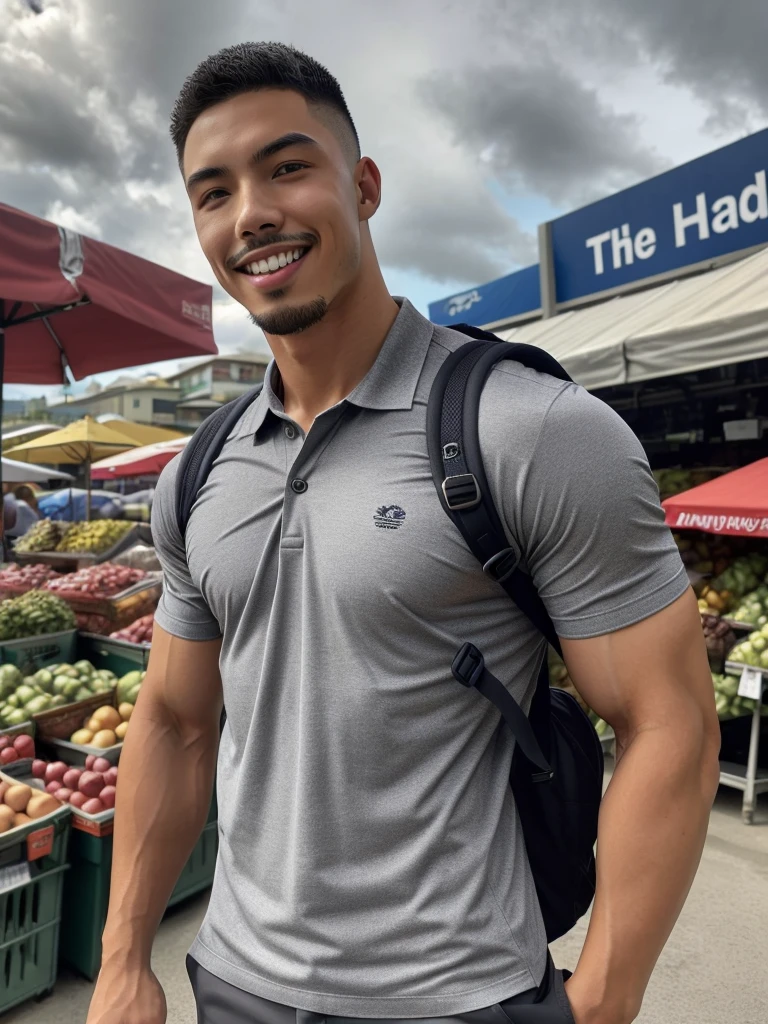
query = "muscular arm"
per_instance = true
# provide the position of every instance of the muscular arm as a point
(652, 683)
(166, 777)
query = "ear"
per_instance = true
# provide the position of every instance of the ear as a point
(368, 188)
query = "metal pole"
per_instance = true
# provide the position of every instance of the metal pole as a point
(547, 281)
(748, 806)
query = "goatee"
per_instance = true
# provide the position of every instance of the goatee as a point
(291, 319)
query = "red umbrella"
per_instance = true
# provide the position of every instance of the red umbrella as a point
(736, 503)
(149, 460)
(121, 310)
(67, 301)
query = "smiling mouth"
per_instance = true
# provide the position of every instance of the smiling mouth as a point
(274, 263)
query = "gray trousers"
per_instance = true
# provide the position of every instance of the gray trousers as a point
(221, 1003)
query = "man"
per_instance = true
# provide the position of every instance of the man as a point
(371, 863)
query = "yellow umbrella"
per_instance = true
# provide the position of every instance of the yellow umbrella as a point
(142, 433)
(80, 443)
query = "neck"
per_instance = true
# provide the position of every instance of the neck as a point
(321, 366)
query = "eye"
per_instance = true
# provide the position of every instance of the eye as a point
(215, 193)
(289, 168)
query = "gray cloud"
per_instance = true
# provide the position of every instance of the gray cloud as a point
(541, 130)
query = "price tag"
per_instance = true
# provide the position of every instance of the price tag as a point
(751, 683)
(14, 875)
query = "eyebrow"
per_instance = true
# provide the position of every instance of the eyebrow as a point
(270, 149)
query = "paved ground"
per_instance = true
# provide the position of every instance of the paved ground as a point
(714, 970)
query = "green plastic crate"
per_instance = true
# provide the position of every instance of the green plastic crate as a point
(34, 652)
(30, 916)
(86, 893)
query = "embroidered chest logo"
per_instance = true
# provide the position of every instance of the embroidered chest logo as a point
(389, 517)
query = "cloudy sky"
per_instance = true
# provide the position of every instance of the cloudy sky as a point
(485, 118)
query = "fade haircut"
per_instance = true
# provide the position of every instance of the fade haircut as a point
(249, 67)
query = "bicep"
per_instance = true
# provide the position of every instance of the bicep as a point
(648, 675)
(183, 682)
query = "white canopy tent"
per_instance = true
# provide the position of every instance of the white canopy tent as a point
(25, 473)
(713, 319)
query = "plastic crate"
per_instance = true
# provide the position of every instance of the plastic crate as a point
(86, 893)
(34, 652)
(30, 917)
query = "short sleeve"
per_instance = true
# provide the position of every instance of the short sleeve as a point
(581, 501)
(182, 610)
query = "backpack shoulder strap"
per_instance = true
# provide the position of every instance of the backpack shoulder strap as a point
(202, 451)
(457, 464)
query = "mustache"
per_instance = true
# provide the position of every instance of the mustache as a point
(302, 238)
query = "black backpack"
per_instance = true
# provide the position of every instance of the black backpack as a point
(557, 767)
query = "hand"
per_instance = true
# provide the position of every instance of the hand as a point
(125, 997)
(587, 1009)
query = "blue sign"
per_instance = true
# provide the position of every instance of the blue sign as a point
(707, 208)
(506, 297)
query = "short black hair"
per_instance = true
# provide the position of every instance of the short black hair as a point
(248, 67)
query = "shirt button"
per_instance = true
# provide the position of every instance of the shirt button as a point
(290, 432)
(298, 486)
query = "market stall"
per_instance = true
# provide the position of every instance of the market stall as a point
(733, 599)
(147, 461)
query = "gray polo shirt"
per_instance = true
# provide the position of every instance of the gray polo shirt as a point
(371, 862)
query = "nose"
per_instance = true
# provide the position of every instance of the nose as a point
(256, 213)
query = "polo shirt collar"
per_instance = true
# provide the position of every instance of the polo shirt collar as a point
(389, 384)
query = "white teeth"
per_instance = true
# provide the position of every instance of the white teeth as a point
(273, 263)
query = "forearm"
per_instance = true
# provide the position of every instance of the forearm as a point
(652, 829)
(166, 778)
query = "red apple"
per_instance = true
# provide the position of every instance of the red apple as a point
(56, 771)
(25, 746)
(5, 741)
(72, 778)
(8, 755)
(93, 806)
(101, 764)
(38, 769)
(107, 796)
(89, 761)
(91, 783)
(63, 794)
(77, 799)
(53, 786)
(110, 777)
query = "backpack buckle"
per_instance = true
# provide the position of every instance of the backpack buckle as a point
(461, 491)
(502, 565)
(468, 665)
(543, 776)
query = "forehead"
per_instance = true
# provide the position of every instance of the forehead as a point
(236, 127)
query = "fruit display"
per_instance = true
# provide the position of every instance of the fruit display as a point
(18, 579)
(727, 700)
(727, 589)
(139, 632)
(708, 556)
(97, 582)
(93, 537)
(90, 789)
(16, 748)
(105, 727)
(33, 614)
(753, 608)
(43, 536)
(719, 638)
(128, 687)
(20, 804)
(51, 687)
(674, 481)
(752, 651)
